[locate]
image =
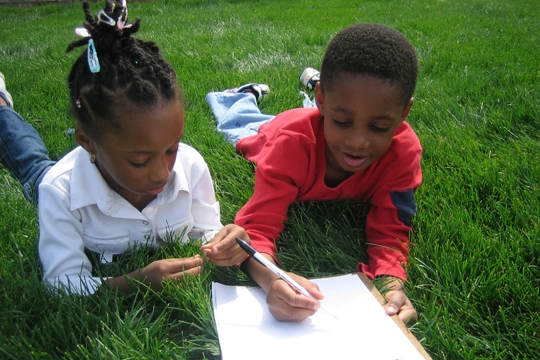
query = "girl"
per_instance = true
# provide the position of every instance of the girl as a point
(130, 182)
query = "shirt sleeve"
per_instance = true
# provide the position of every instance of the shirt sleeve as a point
(389, 220)
(279, 175)
(204, 208)
(61, 246)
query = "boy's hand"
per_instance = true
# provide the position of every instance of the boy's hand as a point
(397, 302)
(285, 304)
(173, 269)
(223, 250)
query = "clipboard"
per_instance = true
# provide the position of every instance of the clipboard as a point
(396, 319)
(247, 330)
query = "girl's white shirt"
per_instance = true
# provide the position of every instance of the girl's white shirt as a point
(78, 211)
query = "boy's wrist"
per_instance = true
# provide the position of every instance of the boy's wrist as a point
(260, 274)
(392, 283)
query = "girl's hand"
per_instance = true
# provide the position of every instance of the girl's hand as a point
(398, 303)
(285, 304)
(223, 250)
(172, 269)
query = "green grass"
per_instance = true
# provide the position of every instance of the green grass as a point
(474, 273)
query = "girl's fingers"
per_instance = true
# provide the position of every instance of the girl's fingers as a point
(195, 270)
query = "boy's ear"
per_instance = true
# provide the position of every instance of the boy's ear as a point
(319, 98)
(84, 140)
(407, 110)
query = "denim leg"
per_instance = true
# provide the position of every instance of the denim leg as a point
(237, 115)
(23, 152)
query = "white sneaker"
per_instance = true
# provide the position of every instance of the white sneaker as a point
(258, 90)
(309, 78)
(4, 93)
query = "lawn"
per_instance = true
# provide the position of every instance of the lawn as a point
(474, 272)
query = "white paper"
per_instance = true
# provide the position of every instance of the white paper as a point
(247, 330)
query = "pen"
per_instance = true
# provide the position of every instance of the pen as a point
(269, 265)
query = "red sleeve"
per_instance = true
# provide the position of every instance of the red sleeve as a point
(281, 170)
(389, 220)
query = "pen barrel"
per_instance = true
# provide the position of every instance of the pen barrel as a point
(283, 275)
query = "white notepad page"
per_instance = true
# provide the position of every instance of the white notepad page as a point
(247, 330)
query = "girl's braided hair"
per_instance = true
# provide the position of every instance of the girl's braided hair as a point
(133, 74)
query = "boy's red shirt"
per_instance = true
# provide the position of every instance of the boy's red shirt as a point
(291, 164)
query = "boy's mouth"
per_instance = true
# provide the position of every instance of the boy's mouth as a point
(353, 161)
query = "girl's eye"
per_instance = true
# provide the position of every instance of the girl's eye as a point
(138, 165)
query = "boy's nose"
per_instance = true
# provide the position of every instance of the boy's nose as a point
(357, 141)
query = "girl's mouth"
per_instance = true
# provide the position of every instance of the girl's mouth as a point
(156, 191)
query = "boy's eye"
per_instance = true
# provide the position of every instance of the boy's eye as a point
(341, 123)
(380, 129)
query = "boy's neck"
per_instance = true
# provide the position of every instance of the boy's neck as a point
(334, 174)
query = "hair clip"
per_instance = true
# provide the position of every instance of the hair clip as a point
(92, 58)
(103, 17)
(82, 32)
(122, 18)
(78, 102)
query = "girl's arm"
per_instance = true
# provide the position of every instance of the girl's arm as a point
(65, 264)
(156, 272)
(204, 206)
(61, 247)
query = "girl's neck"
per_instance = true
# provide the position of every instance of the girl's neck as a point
(142, 201)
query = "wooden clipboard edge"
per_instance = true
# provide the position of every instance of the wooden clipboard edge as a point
(396, 319)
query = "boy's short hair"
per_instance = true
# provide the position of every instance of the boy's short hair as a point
(371, 49)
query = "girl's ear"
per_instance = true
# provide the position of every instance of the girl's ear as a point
(319, 98)
(84, 140)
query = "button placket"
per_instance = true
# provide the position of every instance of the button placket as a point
(147, 231)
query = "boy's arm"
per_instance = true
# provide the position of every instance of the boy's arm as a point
(397, 301)
(283, 302)
(389, 221)
(388, 227)
(278, 179)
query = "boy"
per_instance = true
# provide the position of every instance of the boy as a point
(355, 144)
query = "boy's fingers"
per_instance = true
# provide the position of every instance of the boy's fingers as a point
(408, 316)
(398, 303)
(286, 305)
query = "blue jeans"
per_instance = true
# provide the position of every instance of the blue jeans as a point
(237, 115)
(23, 152)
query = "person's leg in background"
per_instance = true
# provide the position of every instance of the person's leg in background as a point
(22, 150)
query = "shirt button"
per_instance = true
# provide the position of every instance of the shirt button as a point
(145, 223)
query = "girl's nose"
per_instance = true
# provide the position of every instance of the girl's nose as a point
(160, 172)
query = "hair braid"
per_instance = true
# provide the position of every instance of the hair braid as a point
(133, 73)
